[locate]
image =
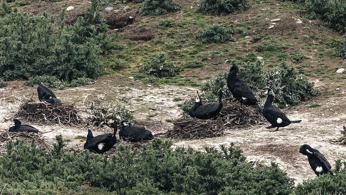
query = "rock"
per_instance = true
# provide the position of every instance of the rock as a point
(108, 9)
(272, 26)
(275, 20)
(70, 8)
(259, 58)
(247, 37)
(299, 21)
(338, 89)
(131, 78)
(273, 23)
(127, 8)
(117, 10)
(340, 70)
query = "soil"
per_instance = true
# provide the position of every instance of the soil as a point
(319, 125)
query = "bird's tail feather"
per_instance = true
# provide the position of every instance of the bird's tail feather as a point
(297, 121)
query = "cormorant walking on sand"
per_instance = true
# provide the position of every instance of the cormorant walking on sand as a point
(208, 110)
(317, 161)
(101, 143)
(45, 94)
(134, 133)
(274, 114)
(239, 89)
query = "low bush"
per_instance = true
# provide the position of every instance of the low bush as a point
(340, 48)
(166, 23)
(157, 7)
(157, 65)
(155, 169)
(170, 45)
(332, 12)
(215, 34)
(2, 83)
(297, 58)
(31, 46)
(289, 87)
(49, 81)
(215, 7)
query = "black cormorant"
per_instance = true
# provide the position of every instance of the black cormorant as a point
(45, 94)
(240, 90)
(274, 114)
(134, 133)
(208, 110)
(101, 143)
(18, 127)
(317, 161)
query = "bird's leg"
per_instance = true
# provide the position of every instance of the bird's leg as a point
(269, 127)
(275, 129)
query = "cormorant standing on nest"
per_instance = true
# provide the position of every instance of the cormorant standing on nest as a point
(317, 161)
(45, 94)
(22, 128)
(240, 90)
(134, 133)
(101, 143)
(208, 110)
(274, 114)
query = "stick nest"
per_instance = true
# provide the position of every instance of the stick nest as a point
(193, 128)
(42, 112)
(236, 115)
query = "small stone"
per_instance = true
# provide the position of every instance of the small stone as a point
(131, 78)
(273, 23)
(340, 70)
(108, 9)
(299, 21)
(259, 58)
(70, 8)
(117, 10)
(247, 37)
(338, 89)
(272, 26)
(275, 20)
(149, 85)
(127, 7)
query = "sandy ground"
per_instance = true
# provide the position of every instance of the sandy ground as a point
(319, 125)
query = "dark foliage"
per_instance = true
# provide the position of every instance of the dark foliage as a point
(2, 83)
(289, 87)
(215, 34)
(297, 58)
(194, 64)
(31, 46)
(155, 169)
(158, 66)
(340, 48)
(157, 7)
(215, 7)
(166, 23)
(332, 12)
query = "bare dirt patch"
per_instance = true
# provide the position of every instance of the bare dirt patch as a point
(144, 34)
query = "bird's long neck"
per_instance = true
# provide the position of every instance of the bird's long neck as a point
(269, 101)
(197, 104)
(115, 129)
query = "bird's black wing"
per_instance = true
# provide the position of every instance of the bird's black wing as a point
(243, 90)
(44, 91)
(146, 135)
(276, 112)
(134, 131)
(99, 139)
(205, 109)
(322, 159)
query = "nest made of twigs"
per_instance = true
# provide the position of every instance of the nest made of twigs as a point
(193, 128)
(236, 115)
(42, 112)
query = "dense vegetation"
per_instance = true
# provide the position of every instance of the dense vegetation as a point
(153, 169)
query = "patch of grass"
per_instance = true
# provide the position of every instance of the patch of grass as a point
(83, 138)
(315, 105)
(177, 99)
(169, 121)
(150, 116)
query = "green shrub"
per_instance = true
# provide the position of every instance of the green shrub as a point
(227, 6)
(31, 46)
(156, 169)
(158, 66)
(194, 64)
(118, 64)
(170, 45)
(267, 45)
(340, 48)
(81, 81)
(289, 87)
(215, 34)
(49, 81)
(297, 58)
(2, 83)
(332, 12)
(166, 23)
(325, 184)
(157, 7)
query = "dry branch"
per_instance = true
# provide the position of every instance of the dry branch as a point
(42, 112)
(193, 128)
